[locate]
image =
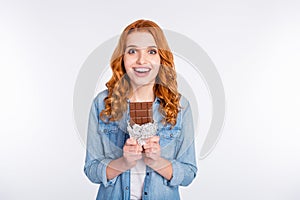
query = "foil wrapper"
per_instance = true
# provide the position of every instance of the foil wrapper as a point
(142, 132)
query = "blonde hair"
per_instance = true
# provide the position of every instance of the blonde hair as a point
(165, 87)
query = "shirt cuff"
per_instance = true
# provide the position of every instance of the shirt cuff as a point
(101, 171)
(178, 175)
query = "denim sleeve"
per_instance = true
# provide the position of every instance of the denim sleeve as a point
(96, 163)
(184, 165)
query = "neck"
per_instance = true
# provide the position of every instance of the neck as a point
(142, 94)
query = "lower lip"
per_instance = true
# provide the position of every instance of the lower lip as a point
(141, 74)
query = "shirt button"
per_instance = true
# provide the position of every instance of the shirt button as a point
(145, 193)
(171, 135)
(105, 130)
(147, 173)
(126, 187)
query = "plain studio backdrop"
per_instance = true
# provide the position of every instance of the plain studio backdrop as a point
(254, 45)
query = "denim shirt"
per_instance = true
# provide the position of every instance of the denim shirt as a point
(105, 143)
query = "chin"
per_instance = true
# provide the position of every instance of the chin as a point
(141, 84)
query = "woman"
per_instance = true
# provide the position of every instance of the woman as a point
(140, 141)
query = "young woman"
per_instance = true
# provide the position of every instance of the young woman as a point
(140, 141)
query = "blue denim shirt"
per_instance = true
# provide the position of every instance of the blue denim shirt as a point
(105, 143)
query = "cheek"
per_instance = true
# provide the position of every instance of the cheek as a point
(156, 69)
(156, 62)
(127, 63)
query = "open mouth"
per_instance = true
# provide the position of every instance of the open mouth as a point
(142, 69)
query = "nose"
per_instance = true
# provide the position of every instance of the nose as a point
(141, 59)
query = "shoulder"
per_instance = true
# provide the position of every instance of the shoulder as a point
(101, 95)
(99, 99)
(184, 102)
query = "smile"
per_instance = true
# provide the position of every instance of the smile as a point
(141, 69)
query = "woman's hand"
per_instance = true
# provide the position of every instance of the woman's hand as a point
(132, 152)
(154, 160)
(152, 152)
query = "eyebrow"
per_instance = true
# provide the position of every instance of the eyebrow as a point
(141, 47)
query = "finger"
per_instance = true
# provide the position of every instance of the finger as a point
(151, 145)
(151, 155)
(152, 150)
(154, 139)
(148, 154)
(148, 145)
(134, 149)
(131, 141)
(130, 148)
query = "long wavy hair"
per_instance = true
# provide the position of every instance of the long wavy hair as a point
(165, 87)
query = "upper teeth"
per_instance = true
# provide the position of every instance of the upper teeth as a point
(142, 69)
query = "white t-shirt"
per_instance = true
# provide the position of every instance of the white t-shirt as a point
(137, 176)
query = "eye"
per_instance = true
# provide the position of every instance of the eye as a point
(131, 51)
(153, 51)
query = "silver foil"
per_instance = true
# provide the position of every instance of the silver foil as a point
(142, 132)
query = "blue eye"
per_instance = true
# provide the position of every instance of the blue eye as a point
(153, 51)
(131, 51)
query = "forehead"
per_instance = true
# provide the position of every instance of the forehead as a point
(140, 39)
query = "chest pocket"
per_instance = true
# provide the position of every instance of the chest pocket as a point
(169, 142)
(168, 136)
(112, 138)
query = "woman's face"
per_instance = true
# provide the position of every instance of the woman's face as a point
(141, 59)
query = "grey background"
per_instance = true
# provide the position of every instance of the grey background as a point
(254, 45)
